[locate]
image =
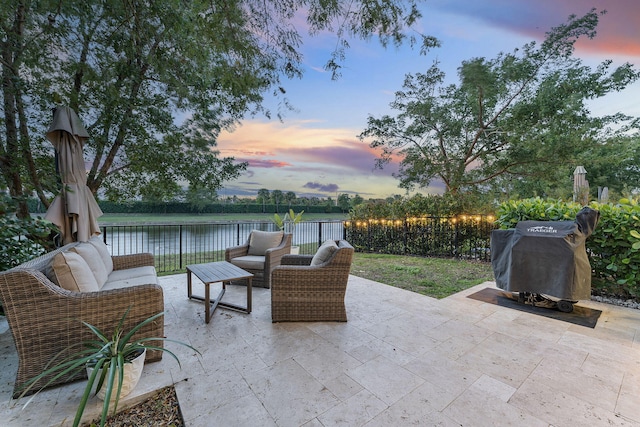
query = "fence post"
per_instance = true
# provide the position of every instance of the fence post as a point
(180, 239)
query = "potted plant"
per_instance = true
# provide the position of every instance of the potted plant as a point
(109, 359)
(288, 223)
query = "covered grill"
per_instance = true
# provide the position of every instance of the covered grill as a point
(542, 259)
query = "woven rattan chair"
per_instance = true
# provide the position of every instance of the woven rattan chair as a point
(45, 319)
(260, 264)
(301, 292)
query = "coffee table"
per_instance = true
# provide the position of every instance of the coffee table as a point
(214, 272)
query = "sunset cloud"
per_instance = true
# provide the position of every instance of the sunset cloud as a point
(617, 29)
(325, 188)
(254, 163)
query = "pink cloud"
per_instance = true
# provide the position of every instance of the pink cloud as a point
(618, 30)
(354, 155)
(259, 163)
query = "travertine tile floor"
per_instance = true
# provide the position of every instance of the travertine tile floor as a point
(401, 359)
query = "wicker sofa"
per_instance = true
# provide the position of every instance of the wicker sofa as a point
(45, 318)
(306, 288)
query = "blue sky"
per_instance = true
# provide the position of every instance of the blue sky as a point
(315, 151)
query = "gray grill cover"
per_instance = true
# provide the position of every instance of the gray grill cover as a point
(545, 257)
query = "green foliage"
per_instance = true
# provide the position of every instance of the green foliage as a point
(509, 124)
(418, 206)
(107, 355)
(535, 209)
(22, 239)
(614, 246)
(288, 221)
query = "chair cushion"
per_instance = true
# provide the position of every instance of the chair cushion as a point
(101, 246)
(90, 254)
(324, 252)
(260, 241)
(249, 262)
(72, 272)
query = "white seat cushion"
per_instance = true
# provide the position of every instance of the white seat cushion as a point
(260, 241)
(90, 254)
(72, 272)
(147, 270)
(249, 262)
(145, 275)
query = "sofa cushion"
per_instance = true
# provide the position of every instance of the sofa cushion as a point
(101, 246)
(72, 272)
(144, 271)
(249, 262)
(90, 254)
(324, 252)
(260, 241)
(145, 275)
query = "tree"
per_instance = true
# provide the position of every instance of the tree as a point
(276, 197)
(155, 82)
(263, 197)
(290, 197)
(519, 116)
(344, 202)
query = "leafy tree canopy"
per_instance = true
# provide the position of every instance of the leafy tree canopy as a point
(155, 82)
(518, 118)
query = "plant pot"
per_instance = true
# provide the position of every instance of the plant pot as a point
(295, 250)
(132, 374)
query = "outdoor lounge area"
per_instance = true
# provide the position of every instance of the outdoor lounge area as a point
(400, 359)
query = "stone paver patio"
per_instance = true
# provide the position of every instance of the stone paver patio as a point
(401, 359)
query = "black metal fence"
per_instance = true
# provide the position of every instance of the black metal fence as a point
(465, 236)
(174, 246)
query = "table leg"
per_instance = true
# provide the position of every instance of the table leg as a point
(249, 295)
(207, 303)
(189, 290)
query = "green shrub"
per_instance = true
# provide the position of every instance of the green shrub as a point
(21, 240)
(419, 206)
(614, 246)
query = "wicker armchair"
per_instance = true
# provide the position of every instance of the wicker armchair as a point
(44, 318)
(260, 263)
(301, 292)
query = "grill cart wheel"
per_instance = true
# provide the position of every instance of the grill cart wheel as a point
(565, 306)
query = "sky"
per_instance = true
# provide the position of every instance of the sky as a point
(315, 151)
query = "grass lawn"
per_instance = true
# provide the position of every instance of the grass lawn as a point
(434, 277)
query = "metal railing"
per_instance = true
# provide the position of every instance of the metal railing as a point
(174, 246)
(463, 236)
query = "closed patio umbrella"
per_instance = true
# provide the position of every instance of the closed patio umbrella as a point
(75, 210)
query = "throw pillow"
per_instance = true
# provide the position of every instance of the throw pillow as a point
(260, 241)
(101, 246)
(90, 254)
(324, 252)
(73, 273)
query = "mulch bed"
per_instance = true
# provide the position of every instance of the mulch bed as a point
(161, 409)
